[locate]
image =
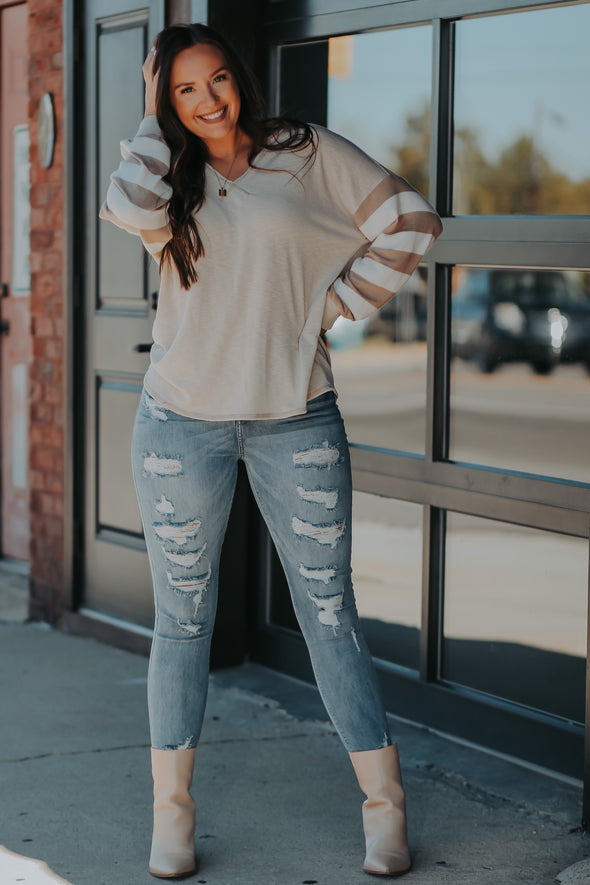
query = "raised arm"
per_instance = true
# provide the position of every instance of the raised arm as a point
(137, 197)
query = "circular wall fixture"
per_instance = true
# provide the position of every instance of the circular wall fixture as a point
(46, 130)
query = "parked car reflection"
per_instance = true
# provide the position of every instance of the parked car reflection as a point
(403, 318)
(541, 317)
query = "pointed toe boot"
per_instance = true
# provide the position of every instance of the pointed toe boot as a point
(384, 811)
(173, 843)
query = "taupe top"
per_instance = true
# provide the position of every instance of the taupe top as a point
(286, 253)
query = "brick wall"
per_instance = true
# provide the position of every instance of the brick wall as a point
(46, 437)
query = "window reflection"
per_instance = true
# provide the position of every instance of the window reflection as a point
(506, 629)
(380, 363)
(379, 97)
(387, 570)
(520, 139)
(520, 391)
(380, 371)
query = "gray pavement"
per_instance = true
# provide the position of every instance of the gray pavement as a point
(277, 803)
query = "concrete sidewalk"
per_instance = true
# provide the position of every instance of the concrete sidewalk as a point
(277, 802)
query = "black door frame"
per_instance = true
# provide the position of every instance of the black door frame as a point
(233, 622)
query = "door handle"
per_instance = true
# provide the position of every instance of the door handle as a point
(143, 348)
(4, 324)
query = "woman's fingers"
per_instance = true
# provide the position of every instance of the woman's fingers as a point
(148, 64)
(151, 81)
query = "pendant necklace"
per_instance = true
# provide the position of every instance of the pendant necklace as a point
(222, 186)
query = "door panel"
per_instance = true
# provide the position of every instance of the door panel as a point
(119, 257)
(117, 508)
(118, 308)
(15, 342)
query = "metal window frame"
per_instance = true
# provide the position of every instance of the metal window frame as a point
(441, 485)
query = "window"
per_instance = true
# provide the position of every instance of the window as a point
(515, 613)
(379, 88)
(521, 134)
(494, 420)
(387, 575)
(379, 97)
(520, 383)
(380, 371)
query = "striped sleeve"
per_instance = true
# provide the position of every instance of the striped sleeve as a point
(137, 197)
(400, 225)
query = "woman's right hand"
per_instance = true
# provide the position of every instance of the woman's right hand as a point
(151, 82)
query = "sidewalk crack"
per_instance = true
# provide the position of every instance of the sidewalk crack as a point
(202, 743)
(488, 796)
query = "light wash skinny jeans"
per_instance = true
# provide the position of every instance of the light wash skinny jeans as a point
(299, 470)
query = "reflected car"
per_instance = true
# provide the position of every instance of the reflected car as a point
(540, 317)
(403, 318)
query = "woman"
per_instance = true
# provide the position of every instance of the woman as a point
(265, 232)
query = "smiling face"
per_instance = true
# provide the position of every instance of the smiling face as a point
(205, 94)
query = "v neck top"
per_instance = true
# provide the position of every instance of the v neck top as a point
(221, 179)
(294, 244)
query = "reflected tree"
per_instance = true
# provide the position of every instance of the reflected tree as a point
(410, 159)
(474, 183)
(522, 181)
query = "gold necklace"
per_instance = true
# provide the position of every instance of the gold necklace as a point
(222, 186)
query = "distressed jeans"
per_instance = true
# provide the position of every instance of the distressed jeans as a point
(299, 470)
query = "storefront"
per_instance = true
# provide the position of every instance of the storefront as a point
(466, 402)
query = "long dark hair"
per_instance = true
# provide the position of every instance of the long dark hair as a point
(189, 153)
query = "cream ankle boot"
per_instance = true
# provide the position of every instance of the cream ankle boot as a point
(173, 843)
(384, 812)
